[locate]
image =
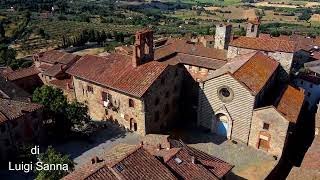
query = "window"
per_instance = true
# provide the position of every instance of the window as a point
(199, 68)
(14, 124)
(156, 102)
(119, 168)
(3, 128)
(156, 116)
(106, 96)
(176, 73)
(90, 89)
(252, 28)
(266, 126)
(162, 81)
(167, 94)
(309, 94)
(6, 142)
(301, 82)
(190, 67)
(166, 109)
(311, 85)
(175, 88)
(131, 103)
(225, 94)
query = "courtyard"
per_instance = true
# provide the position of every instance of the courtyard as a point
(249, 163)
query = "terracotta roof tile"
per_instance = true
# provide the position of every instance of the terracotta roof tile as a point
(116, 71)
(55, 56)
(9, 90)
(62, 83)
(291, 103)
(256, 72)
(21, 73)
(182, 46)
(12, 109)
(188, 170)
(103, 173)
(54, 70)
(271, 44)
(217, 166)
(142, 165)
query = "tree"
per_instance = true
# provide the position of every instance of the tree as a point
(53, 157)
(2, 32)
(77, 114)
(53, 99)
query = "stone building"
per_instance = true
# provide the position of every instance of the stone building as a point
(8, 90)
(253, 28)
(135, 91)
(279, 49)
(222, 36)
(310, 82)
(26, 78)
(272, 125)
(53, 64)
(227, 98)
(20, 122)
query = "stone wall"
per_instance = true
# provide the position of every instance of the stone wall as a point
(277, 131)
(210, 104)
(285, 59)
(163, 99)
(16, 132)
(166, 89)
(120, 112)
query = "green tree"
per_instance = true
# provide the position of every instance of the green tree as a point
(53, 99)
(2, 32)
(77, 114)
(51, 156)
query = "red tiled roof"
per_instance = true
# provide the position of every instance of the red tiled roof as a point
(44, 66)
(12, 109)
(62, 83)
(263, 44)
(142, 165)
(188, 170)
(54, 70)
(21, 73)
(182, 46)
(256, 72)
(116, 71)
(103, 173)
(55, 56)
(291, 103)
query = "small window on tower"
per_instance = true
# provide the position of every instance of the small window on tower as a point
(252, 28)
(131, 103)
(266, 126)
(90, 89)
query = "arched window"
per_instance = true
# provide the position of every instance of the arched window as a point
(131, 103)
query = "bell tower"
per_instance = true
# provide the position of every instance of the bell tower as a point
(253, 28)
(143, 48)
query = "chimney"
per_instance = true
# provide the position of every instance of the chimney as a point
(158, 147)
(193, 159)
(143, 48)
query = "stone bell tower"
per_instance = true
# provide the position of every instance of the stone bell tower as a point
(143, 48)
(253, 28)
(223, 36)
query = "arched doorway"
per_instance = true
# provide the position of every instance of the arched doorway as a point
(133, 125)
(222, 126)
